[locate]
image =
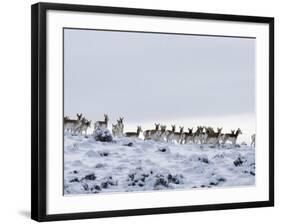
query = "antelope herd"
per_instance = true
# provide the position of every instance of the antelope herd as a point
(202, 135)
(76, 126)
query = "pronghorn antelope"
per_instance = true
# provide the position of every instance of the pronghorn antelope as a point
(134, 134)
(232, 132)
(115, 130)
(198, 135)
(162, 134)
(156, 134)
(187, 137)
(178, 135)
(84, 125)
(232, 137)
(120, 126)
(170, 134)
(102, 124)
(71, 124)
(150, 134)
(213, 137)
(203, 135)
(253, 138)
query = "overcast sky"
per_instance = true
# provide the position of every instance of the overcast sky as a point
(146, 77)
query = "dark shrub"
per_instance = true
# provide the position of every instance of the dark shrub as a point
(98, 188)
(74, 180)
(103, 154)
(90, 177)
(221, 179)
(160, 181)
(238, 162)
(214, 183)
(85, 186)
(102, 135)
(130, 144)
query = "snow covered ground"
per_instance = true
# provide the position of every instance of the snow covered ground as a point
(126, 165)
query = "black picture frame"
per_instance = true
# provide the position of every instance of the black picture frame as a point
(39, 108)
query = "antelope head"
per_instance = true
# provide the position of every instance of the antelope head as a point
(139, 129)
(157, 126)
(106, 117)
(120, 121)
(79, 116)
(239, 131)
(181, 129)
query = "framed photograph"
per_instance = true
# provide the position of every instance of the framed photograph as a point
(141, 111)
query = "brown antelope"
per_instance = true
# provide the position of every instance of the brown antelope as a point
(253, 138)
(232, 137)
(115, 130)
(149, 134)
(120, 127)
(84, 125)
(71, 124)
(204, 135)
(187, 136)
(213, 137)
(162, 134)
(198, 135)
(102, 124)
(170, 134)
(134, 134)
(178, 135)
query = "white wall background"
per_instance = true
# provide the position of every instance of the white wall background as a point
(15, 109)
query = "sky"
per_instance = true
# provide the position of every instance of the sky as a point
(149, 77)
